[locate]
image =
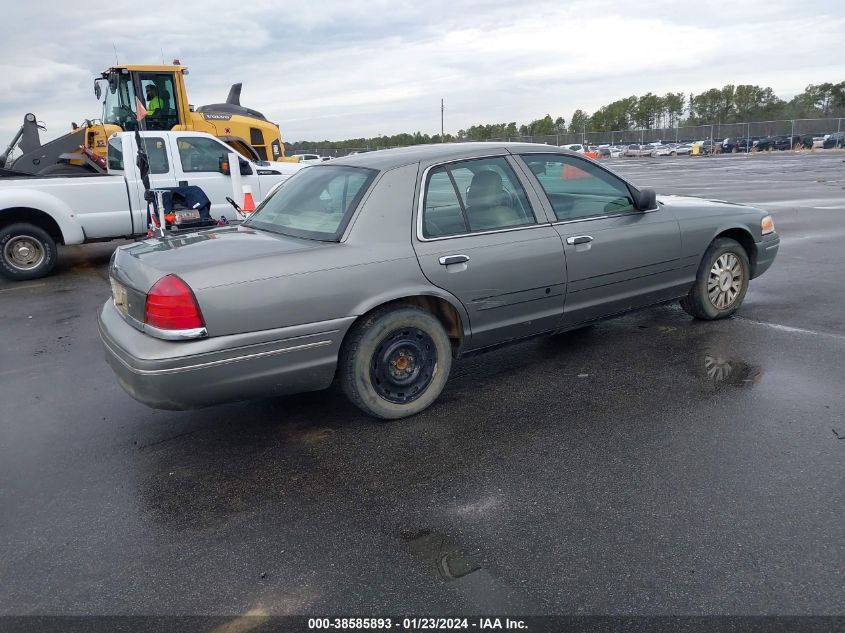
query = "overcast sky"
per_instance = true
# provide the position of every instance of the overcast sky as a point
(341, 69)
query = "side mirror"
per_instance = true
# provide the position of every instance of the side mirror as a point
(645, 199)
(223, 166)
(98, 92)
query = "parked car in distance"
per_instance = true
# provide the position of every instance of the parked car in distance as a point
(308, 158)
(377, 270)
(837, 139)
(780, 143)
(732, 145)
(662, 150)
(635, 149)
(708, 146)
(575, 147)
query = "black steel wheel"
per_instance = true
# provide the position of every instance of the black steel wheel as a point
(403, 365)
(395, 362)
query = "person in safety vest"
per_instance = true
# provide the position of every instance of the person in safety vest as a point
(154, 102)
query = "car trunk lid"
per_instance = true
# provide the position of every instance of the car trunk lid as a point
(205, 258)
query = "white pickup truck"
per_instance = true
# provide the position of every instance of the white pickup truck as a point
(36, 213)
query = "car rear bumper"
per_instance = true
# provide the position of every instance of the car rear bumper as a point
(204, 372)
(767, 249)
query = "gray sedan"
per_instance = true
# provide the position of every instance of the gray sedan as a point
(375, 271)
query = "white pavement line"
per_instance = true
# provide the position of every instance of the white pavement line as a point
(22, 287)
(804, 204)
(794, 330)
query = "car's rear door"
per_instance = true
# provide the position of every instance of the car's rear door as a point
(617, 258)
(478, 237)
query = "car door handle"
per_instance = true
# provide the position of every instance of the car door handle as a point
(579, 239)
(453, 259)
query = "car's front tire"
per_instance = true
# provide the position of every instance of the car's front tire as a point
(721, 282)
(26, 252)
(395, 362)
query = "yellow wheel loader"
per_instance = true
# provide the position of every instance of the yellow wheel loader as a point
(161, 92)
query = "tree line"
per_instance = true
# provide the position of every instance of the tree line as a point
(728, 104)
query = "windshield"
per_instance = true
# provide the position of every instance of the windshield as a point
(316, 203)
(119, 106)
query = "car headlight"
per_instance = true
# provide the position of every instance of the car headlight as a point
(767, 225)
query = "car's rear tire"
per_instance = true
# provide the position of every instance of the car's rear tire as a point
(395, 362)
(26, 252)
(721, 282)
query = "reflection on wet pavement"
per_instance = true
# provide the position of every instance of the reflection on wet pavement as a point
(448, 561)
(727, 371)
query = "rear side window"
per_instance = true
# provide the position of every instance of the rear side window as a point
(474, 195)
(157, 151)
(315, 203)
(578, 188)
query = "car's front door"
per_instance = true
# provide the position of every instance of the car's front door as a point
(617, 257)
(477, 236)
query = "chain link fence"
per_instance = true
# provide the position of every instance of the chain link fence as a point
(687, 133)
(690, 133)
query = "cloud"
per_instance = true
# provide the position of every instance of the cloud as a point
(338, 69)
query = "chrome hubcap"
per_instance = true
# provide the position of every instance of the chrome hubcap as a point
(24, 252)
(725, 281)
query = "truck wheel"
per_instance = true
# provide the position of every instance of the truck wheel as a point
(721, 282)
(395, 362)
(26, 252)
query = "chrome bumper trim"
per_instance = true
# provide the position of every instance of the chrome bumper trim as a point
(215, 363)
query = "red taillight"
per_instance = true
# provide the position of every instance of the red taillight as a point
(172, 306)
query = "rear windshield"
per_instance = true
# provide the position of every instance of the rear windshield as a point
(316, 203)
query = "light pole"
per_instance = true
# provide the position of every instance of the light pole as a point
(442, 136)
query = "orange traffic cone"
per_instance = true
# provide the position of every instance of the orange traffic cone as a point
(249, 202)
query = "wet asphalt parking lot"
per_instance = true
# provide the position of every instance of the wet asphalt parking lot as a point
(646, 465)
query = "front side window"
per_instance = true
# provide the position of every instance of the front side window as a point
(474, 195)
(199, 154)
(577, 188)
(315, 203)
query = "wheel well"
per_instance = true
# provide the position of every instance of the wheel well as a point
(31, 216)
(746, 241)
(444, 311)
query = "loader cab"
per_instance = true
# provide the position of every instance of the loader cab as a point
(157, 89)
